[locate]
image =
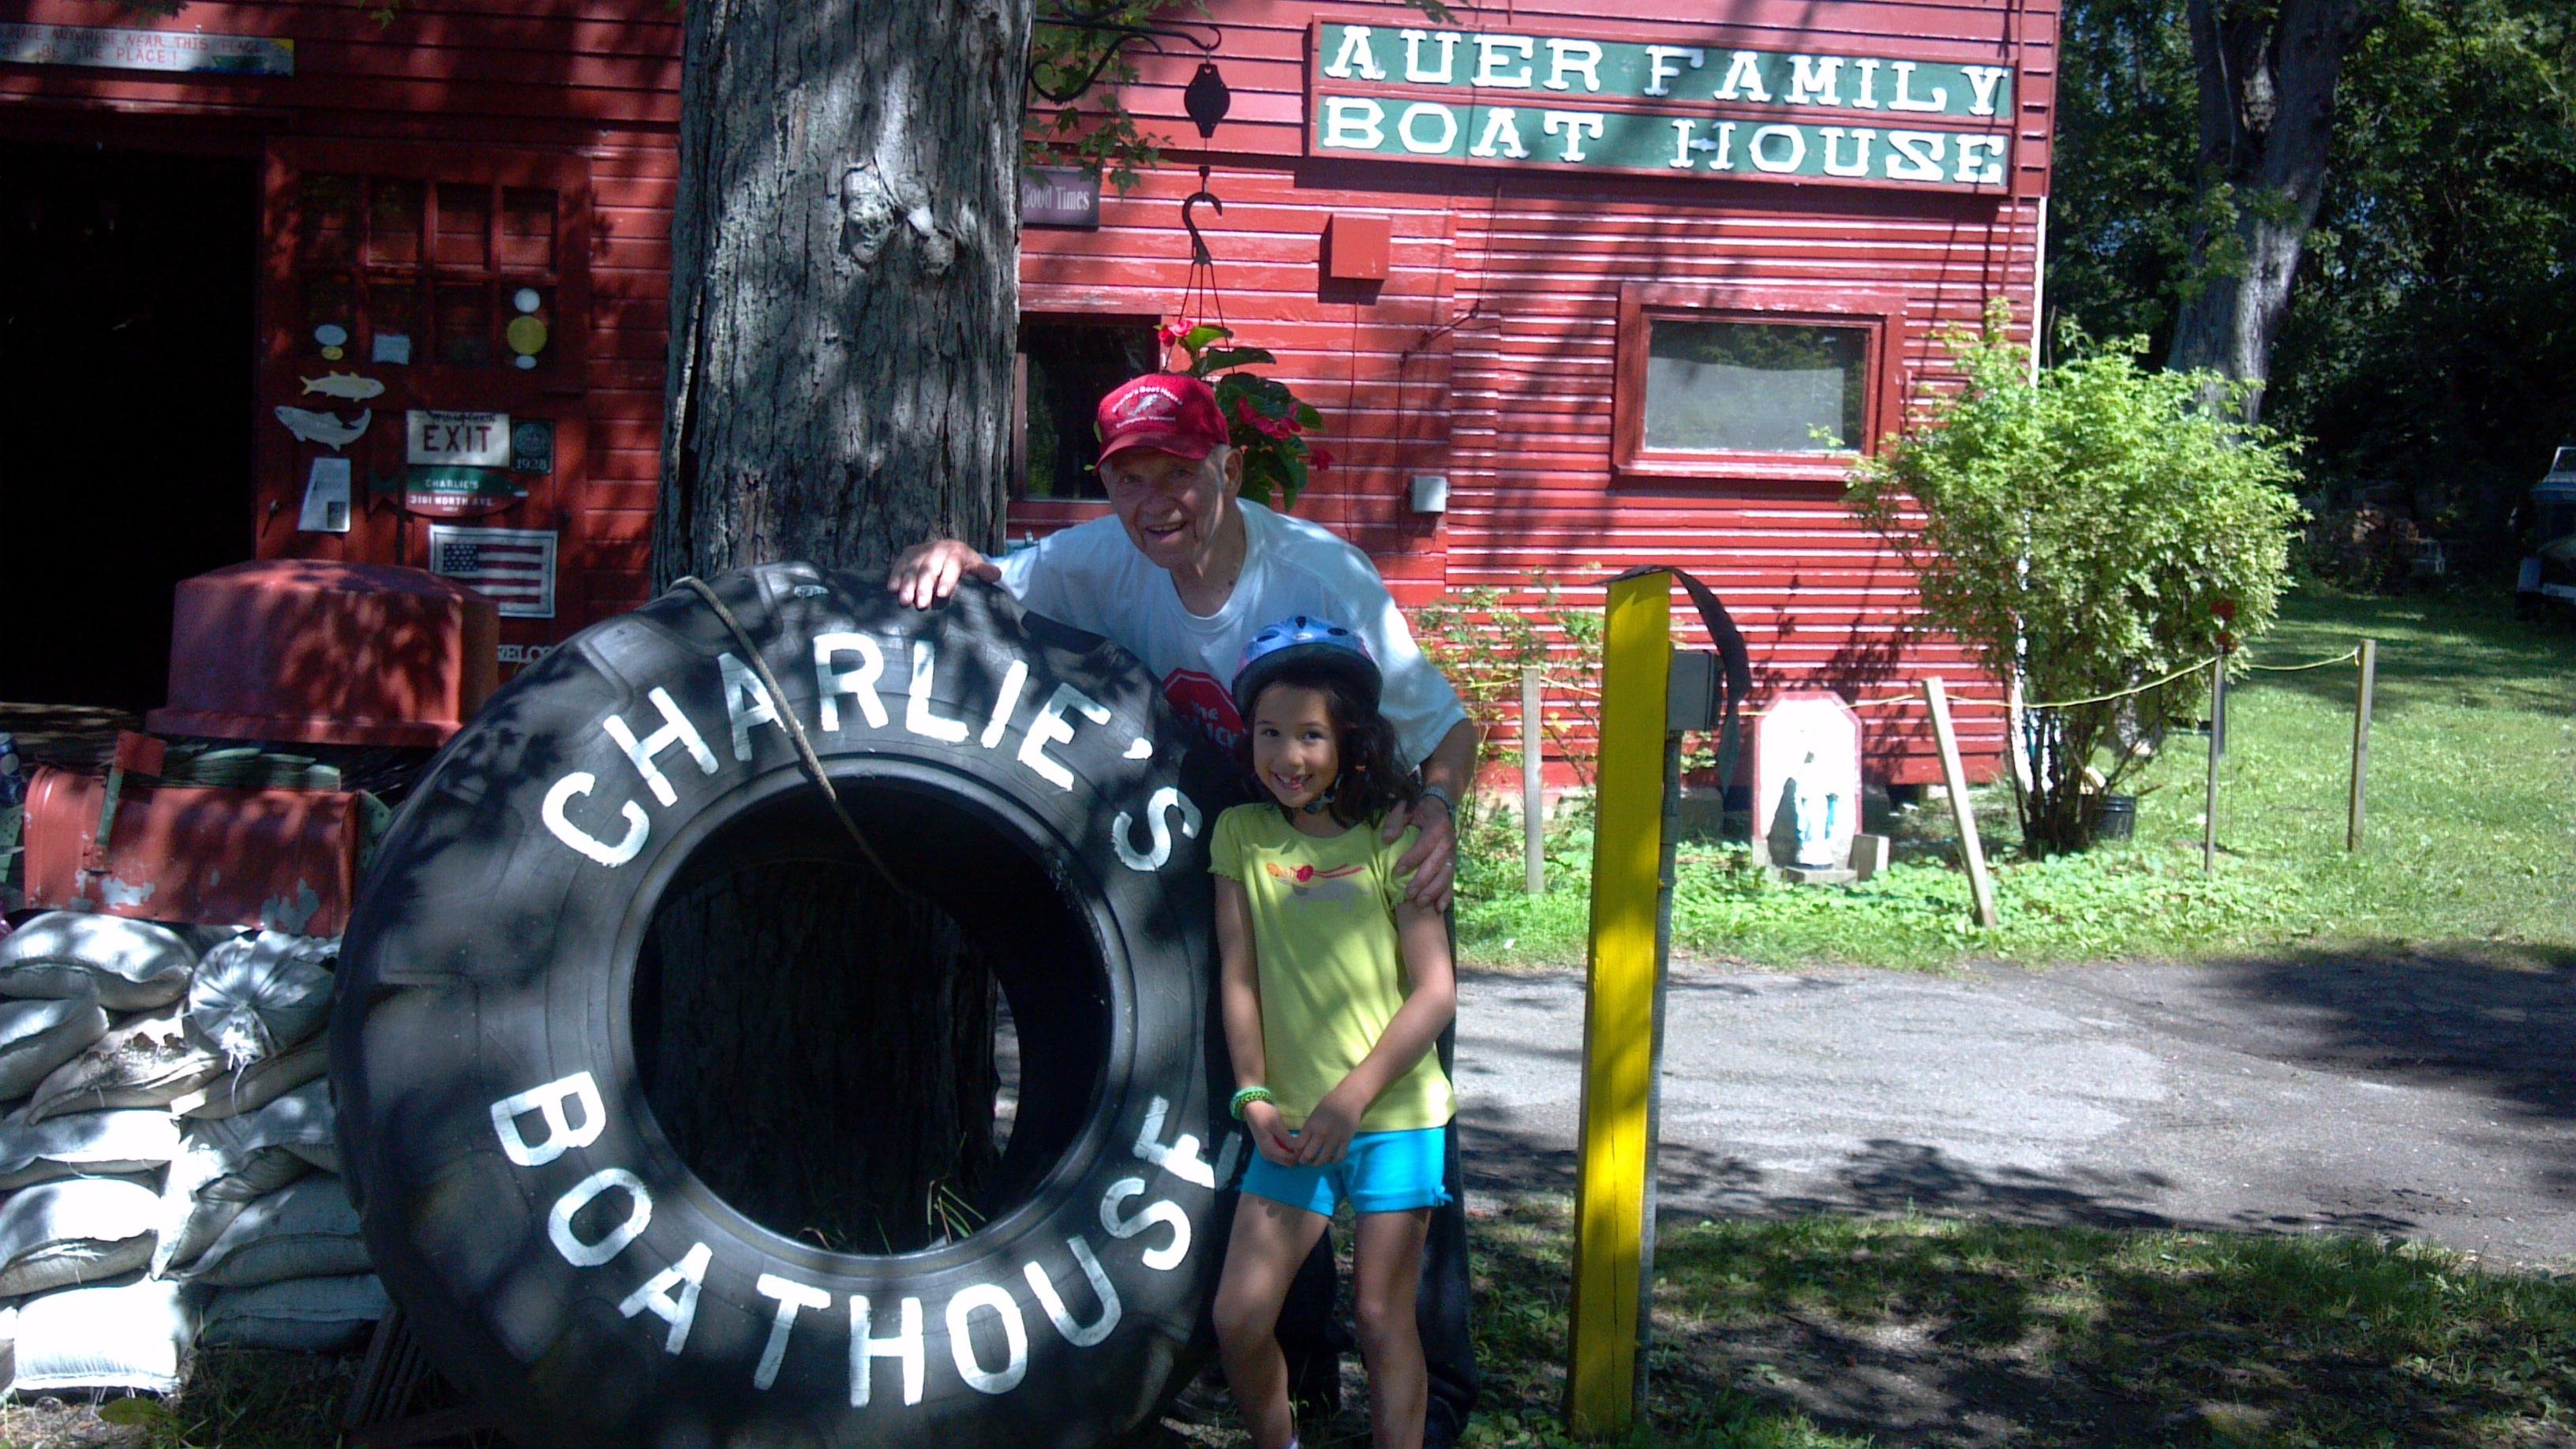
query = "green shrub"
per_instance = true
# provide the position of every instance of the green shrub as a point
(2091, 527)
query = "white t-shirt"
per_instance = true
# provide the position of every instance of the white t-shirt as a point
(1092, 577)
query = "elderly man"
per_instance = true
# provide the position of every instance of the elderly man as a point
(1182, 575)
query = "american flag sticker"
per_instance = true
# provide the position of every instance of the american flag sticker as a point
(513, 567)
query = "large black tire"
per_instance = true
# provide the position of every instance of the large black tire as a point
(524, 1208)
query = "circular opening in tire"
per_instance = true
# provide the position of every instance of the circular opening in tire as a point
(837, 1058)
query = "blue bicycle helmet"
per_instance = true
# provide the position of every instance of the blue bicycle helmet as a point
(1308, 642)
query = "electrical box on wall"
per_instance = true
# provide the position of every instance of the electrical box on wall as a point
(1357, 246)
(1430, 493)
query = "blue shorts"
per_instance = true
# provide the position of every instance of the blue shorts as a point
(1383, 1172)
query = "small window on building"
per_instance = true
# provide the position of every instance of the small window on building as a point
(1755, 387)
(1749, 382)
(1067, 365)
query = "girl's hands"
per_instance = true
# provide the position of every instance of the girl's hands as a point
(1327, 1133)
(1270, 1135)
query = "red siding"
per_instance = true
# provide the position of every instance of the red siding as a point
(1487, 355)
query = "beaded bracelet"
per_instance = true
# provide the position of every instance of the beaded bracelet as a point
(1247, 1097)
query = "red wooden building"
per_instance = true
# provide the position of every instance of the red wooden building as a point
(1574, 290)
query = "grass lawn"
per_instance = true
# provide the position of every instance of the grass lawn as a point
(2471, 838)
(1831, 1333)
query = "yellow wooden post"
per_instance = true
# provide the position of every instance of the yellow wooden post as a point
(1619, 1007)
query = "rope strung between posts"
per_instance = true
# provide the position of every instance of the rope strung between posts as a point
(2347, 657)
(787, 721)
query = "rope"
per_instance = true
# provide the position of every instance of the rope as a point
(786, 718)
(2345, 657)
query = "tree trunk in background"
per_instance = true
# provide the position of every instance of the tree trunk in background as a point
(2267, 73)
(844, 296)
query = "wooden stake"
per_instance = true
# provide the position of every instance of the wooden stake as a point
(2361, 741)
(1533, 792)
(2217, 713)
(1954, 778)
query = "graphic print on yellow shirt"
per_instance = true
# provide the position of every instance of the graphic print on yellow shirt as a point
(1330, 966)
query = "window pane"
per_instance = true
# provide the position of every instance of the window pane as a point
(1755, 386)
(465, 326)
(326, 216)
(1072, 366)
(393, 226)
(464, 226)
(528, 229)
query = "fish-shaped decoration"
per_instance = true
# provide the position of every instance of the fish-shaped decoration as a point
(345, 385)
(323, 428)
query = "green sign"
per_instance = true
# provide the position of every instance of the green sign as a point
(1554, 69)
(1643, 141)
(447, 490)
(1668, 109)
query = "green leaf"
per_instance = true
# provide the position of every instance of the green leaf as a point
(1236, 357)
(1197, 338)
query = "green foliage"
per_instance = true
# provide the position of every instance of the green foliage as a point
(1265, 421)
(2093, 529)
(1094, 129)
(2469, 851)
(2432, 328)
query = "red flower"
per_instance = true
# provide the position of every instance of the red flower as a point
(1295, 426)
(1172, 332)
(1305, 873)
(2225, 610)
(1319, 459)
(1243, 412)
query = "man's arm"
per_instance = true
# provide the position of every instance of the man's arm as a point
(927, 573)
(1433, 860)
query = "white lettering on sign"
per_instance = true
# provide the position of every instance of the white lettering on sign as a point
(639, 1215)
(1573, 57)
(1660, 70)
(1986, 172)
(1415, 72)
(1768, 156)
(1442, 136)
(1917, 157)
(917, 716)
(472, 440)
(1503, 130)
(548, 1102)
(1906, 100)
(675, 730)
(1166, 801)
(1050, 726)
(573, 787)
(1574, 126)
(860, 683)
(1858, 165)
(671, 1293)
(1356, 58)
(1743, 79)
(1815, 80)
(1492, 56)
(995, 1299)
(742, 687)
(1984, 80)
(1352, 123)
(688, 1275)
(904, 1346)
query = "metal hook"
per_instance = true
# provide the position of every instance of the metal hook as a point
(1199, 254)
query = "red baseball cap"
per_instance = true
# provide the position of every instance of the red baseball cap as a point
(1169, 412)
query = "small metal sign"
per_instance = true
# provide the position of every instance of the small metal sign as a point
(1064, 197)
(443, 490)
(472, 440)
(163, 50)
(532, 446)
(513, 567)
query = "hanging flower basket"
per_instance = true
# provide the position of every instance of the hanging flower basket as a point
(1266, 421)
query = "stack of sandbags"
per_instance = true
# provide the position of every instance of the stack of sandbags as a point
(168, 1159)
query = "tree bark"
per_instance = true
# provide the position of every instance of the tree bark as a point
(844, 297)
(845, 280)
(2267, 72)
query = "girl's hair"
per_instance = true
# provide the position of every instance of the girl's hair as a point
(1371, 782)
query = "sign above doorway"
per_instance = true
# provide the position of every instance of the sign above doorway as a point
(185, 51)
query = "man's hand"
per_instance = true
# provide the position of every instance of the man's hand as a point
(1270, 1135)
(1433, 860)
(1327, 1133)
(928, 573)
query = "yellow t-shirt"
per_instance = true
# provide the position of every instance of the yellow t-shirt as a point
(1331, 969)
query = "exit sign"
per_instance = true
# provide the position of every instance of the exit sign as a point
(471, 440)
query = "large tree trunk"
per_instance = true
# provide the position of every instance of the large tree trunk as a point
(844, 296)
(2267, 81)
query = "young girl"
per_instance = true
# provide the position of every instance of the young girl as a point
(1335, 989)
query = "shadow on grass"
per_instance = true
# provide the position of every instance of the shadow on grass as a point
(1921, 1332)
(2434, 649)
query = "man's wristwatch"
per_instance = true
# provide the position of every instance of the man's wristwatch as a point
(1434, 792)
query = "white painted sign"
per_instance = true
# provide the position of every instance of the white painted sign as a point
(1806, 781)
(472, 440)
(326, 497)
(513, 567)
(164, 50)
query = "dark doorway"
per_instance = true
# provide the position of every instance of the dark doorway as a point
(125, 408)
